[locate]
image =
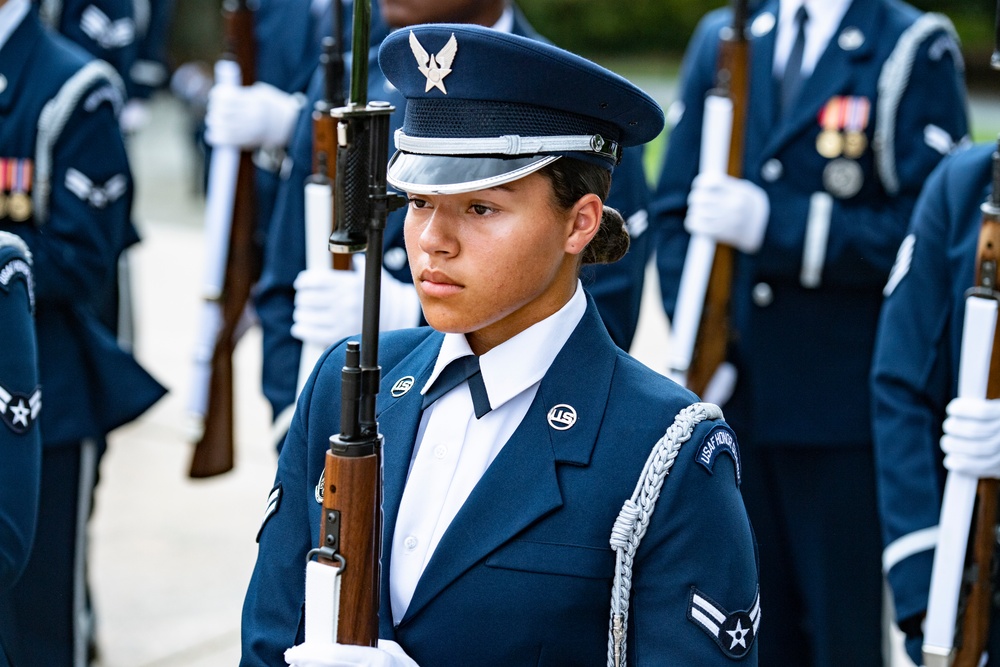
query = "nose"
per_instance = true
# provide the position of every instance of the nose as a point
(438, 237)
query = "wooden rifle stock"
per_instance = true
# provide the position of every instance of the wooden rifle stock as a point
(714, 330)
(214, 451)
(974, 608)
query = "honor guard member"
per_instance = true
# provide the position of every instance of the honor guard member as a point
(915, 381)
(851, 105)
(501, 491)
(20, 437)
(296, 305)
(66, 190)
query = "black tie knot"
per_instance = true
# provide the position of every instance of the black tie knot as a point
(455, 373)
(792, 81)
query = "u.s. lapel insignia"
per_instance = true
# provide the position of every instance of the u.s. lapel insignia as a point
(19, 411)
(851, 39)
(403, 385)
(762, 24)
(562, 417)
(734, 632)
(435, 67)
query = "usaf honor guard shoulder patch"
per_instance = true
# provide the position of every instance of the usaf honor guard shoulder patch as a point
(734, 632)
(720, 439)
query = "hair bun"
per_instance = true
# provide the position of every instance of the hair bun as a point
(611, 241)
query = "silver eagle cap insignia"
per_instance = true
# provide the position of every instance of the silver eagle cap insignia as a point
(437, 66)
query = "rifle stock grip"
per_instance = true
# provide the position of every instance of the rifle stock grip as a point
(353, 488)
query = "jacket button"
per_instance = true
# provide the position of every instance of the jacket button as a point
(772, 170)
(762, 295)
(3, 83)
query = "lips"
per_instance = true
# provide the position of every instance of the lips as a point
(438, 284)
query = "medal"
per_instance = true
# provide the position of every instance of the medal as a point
(19, 206)
(855, 141)
(830, 142)
(843, 178)
(855, 144)
(19, 201)
(3, 204)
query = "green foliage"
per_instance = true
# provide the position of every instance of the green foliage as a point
(594, 27)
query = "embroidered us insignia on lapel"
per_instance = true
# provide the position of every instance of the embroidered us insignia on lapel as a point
(733, 632)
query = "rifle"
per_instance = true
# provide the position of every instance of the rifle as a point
(233, 264)
(319, 218)
(701, 328)
(348, 558)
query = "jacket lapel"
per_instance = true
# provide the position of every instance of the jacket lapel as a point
(15, 55)
(521, 484)
(398, 417)
(834, 72)
(762, 105)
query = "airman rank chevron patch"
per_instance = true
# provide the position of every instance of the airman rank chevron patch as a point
(19, 411)
(733, 632)
(273, 502)
(720, 439)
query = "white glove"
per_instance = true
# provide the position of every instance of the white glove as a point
(732, 211)
(328, 304)
(134, 116)
(971, 440)
(388, 654)
(250, 116)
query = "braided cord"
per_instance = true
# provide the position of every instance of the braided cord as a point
(633, 520)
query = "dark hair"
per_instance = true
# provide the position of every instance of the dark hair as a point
(572, 179)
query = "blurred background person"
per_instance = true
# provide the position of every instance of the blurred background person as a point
(851, 105)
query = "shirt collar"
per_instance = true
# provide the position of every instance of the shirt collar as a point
(824, 19)
(11, 15)
(506, 21)
(517, 363)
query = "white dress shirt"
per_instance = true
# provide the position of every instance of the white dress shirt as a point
(453, 449)
(824, 19)
(11, 15)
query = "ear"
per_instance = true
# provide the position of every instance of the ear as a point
(585, 218)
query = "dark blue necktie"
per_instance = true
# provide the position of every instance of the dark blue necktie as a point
(454, 374)
(792, 81)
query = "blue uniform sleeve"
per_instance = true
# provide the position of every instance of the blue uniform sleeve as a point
(910, 389)
(76, 248)
(20, 440)
(695, 587)
(105, 29)
(274, 605)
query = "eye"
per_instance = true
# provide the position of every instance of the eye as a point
(481, 209)
(418, 203)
